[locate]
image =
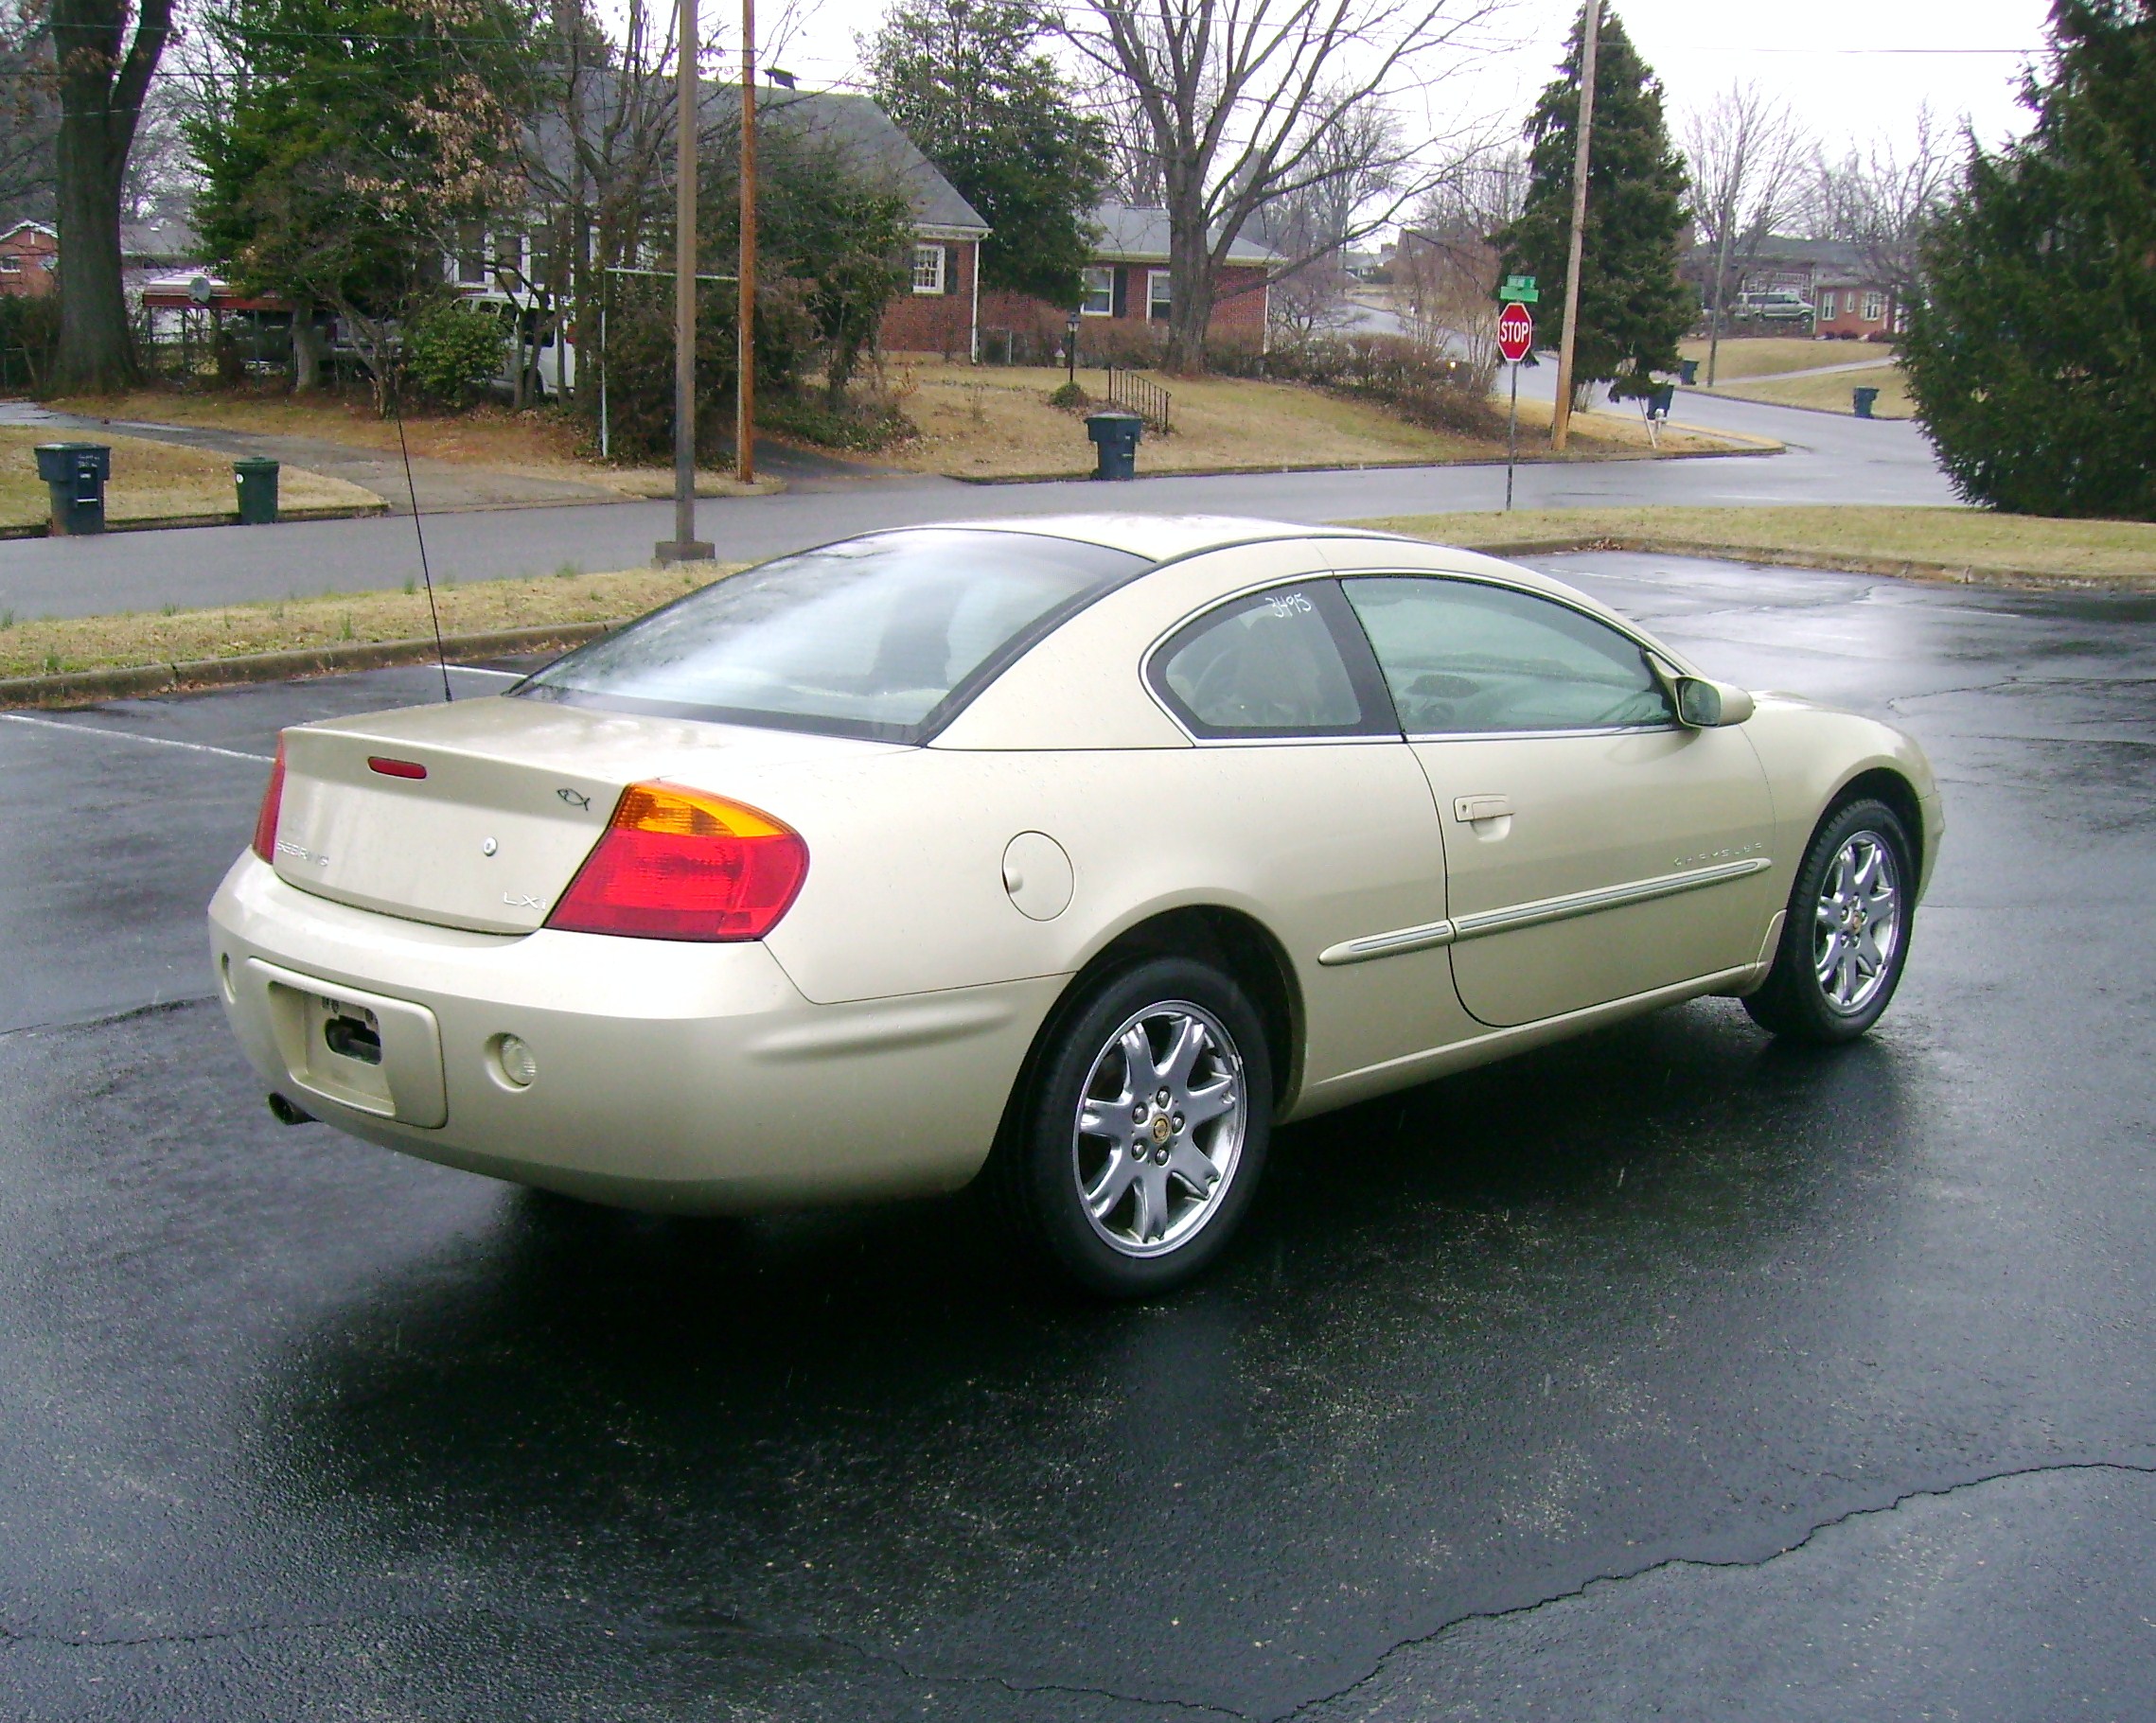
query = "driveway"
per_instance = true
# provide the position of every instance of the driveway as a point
(1827, 460)
(1668, 1372)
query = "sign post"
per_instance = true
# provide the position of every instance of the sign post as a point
(1515, 340)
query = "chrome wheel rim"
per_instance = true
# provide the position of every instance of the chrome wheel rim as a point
(1160, 1129)
(1857, 923)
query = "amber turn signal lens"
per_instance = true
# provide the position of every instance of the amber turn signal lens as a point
(678, 863)
(266, 818)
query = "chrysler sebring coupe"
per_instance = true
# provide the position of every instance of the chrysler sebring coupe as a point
(1071, 854)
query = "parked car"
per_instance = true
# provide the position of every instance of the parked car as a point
(1777, 304)
(1075, 853)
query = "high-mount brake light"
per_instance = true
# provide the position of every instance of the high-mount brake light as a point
(395, 768)
(678, 863)
(266, 818)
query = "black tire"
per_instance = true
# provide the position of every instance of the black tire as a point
(1795, 1002)
(1045, 1154)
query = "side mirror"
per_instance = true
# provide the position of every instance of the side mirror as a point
(1704, 704)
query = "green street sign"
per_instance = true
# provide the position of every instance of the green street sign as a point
(1520, 288)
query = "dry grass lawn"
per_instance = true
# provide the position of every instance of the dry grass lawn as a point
(990, 422)
(487, 436)
(1952, 542)
(1831, 393)
(159, 481)
(49, 646)
(1746, 356)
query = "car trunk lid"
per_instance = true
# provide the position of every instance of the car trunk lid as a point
(478, 815)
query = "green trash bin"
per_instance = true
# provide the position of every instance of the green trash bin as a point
(1688, 369)
(75, 475)
(1862, 399)
(1115, 438)
(258, 484)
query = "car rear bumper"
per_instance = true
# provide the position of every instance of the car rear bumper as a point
(673, 1075)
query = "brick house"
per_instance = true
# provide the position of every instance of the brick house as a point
(1128, 288)
(29, 259)
(1848, 307)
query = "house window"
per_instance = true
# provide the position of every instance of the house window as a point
(1158, 297)
(1875, 307)
(11, 264)
(1100, 296)
(1825, 303)
(928, 262)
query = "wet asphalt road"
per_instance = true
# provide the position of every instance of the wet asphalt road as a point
(1668, 1372)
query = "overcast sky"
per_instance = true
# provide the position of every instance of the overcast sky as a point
(1801, 50)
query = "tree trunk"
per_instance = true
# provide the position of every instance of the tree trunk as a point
(1190, 279)
(306, 350)
(101, 98)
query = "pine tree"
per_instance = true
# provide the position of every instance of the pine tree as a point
(2033, 354)
(1633, 306)
(965, 80)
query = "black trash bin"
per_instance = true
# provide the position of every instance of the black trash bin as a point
(1862, 399)
(75, 475)
(1660, 400)
(1688, 369)
(257, 480)
(1115, 439)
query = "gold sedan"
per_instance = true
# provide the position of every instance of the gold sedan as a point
(1075, 854)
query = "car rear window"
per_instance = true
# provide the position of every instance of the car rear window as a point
(886, 637)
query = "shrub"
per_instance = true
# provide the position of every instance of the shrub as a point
(1421, 384)
(454, 351)
(29, 331)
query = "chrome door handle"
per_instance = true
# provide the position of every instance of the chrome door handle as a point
(1472, 808)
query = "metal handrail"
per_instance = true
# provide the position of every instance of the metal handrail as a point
(1141, 395)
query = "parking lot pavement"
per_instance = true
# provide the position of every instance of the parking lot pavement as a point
(1667, 1371)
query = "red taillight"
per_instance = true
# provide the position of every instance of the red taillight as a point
(266, 820)
(396, 768)
(676, 864)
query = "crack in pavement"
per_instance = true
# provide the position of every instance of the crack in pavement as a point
(1668, 1563)
(918, 1672)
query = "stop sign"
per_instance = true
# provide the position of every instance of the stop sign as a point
(1516, 331)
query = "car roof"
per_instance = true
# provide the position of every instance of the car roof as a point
(1162, 538)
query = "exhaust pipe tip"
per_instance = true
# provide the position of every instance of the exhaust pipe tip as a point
(286, 1114)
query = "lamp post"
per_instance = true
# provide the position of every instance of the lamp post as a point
(1070, 345)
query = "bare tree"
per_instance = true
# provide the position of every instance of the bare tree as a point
(1748, 160)
(1356, 164)
(29, 116)
(1242, 100)
(1883, 199)
(1445, 270)
(104, 71)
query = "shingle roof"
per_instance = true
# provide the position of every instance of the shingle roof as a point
(1127, 234)
(853, 122)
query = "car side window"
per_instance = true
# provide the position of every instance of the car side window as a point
(1270, 664)
(1462, 657)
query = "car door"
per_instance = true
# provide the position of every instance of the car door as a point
(1594, 848)
(1295, 740)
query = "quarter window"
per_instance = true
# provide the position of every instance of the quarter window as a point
(1100, 300)
(1269, 665)
(929, 269)
(1464, 658)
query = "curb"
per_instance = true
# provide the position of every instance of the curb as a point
(160, 523)
(88, 687)
(1755, 450)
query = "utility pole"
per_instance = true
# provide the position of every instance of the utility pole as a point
(744, 293)
(684, 546)
(1560, 418)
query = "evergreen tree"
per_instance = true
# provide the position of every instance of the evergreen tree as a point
(362, 138)
(966, 82)
(2033, 354)
(1633, 306)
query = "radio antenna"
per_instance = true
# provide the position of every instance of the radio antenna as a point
(441, 656)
